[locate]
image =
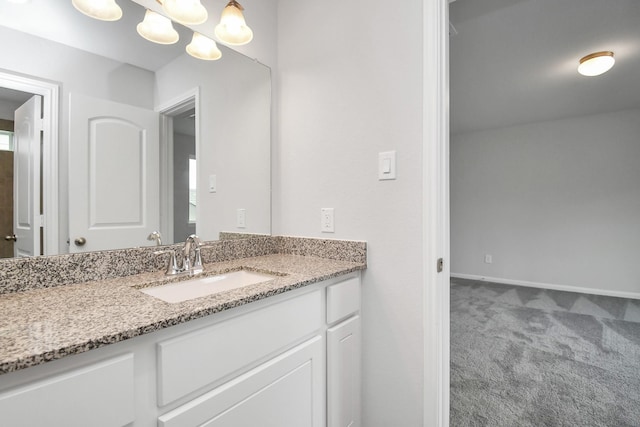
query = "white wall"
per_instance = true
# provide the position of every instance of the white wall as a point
(350, 86)
(234, 145)
(75, 71)
(8, 108)
(553, 202)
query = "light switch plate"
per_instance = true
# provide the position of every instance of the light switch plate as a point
(242, 218)
(386, 165)
(326, 220)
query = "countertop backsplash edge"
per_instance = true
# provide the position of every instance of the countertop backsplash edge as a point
(23, 274)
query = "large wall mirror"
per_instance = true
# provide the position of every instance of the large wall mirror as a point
(199, 163)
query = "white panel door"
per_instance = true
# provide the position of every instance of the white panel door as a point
(26, 178)
(114, 172)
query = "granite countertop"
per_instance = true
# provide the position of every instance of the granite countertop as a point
(40, 325)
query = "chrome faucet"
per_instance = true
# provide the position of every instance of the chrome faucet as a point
(196, 266)
(187, 266)
(155, 236)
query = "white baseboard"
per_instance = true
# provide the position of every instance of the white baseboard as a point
(567, 288)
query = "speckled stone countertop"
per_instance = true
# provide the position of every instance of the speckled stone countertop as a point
(45, 324)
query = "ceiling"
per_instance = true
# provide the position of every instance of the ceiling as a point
(515, 61)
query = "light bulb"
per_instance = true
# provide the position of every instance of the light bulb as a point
(202, 47)
(157, 28)
(186, 12)
(104, 10)
(596, 63)
(232, 28)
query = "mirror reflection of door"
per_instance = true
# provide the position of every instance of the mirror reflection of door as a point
(113, 174)
(20, 174)
(184, 175)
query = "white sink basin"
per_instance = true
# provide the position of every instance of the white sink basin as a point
(208, 285)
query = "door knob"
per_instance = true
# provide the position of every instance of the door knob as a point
(80, 241)
(11, 238)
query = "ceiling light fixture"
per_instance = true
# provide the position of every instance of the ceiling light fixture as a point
(186, 12)
(202, 47)
(596, 63)
(232, 28)
(104, 10)
(157, 28)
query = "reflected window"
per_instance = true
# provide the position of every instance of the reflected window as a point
(192, 190)
(6, 140)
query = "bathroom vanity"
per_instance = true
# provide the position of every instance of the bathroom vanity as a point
(285, 352)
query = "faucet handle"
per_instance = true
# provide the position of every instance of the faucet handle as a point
(172, 265)
(155, 236)
(197, 263)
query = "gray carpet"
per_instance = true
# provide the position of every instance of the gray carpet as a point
(530, 357)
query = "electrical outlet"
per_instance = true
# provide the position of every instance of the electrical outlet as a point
(242, 218)
(326, 220)
(488, 259)
(213, 186)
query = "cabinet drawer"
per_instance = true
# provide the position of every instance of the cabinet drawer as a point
(194, 360)
(343, 299)
(283, 392)
(100, 395)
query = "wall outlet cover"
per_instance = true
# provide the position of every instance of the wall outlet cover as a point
(326, 220)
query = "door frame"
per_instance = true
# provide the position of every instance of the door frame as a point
(435, 186)
(50, 93)
(179, 104)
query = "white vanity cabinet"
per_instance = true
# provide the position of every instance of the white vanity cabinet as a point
(291, 360)
(99, 394)
(343, 354)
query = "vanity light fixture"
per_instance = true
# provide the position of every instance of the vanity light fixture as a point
(157, 28)
(232, 28)
(186, 12)
(203, 47)
(596, 63)
(104, 10)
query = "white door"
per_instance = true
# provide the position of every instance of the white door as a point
(26, 178)
(114, 172)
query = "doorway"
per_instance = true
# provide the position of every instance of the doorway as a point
(179, 146)
(6, 179)
(21, 88)
(184, 175)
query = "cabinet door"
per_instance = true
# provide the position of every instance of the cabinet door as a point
(343, 374)
(98, 395)
(283, 392)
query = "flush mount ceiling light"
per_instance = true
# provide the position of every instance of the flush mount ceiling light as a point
(232, 28)
(596, 63)
(202, 47)
(104, 10)
(157, 28)
(186, 12)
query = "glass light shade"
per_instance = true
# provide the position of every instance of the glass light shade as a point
(186, 12)
(104, 10)
(202, 47)
(596, 64)
(157, 28)
(232, 28)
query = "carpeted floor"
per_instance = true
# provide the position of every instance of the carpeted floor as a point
(531, 357)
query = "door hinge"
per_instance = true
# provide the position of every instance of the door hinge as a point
(41, 220)
(440, 265)
(39, 125)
